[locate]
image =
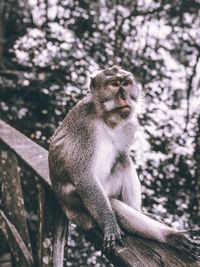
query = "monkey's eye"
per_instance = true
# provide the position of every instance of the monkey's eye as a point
(125, 83)
(114, 83)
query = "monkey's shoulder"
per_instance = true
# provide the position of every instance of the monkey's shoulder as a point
(76, 130)
(78, 119)
(82, 112)
(73, 143)
(84, 108)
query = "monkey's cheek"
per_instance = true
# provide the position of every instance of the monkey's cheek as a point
(109, 105)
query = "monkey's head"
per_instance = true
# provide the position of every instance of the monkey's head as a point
(115, 94)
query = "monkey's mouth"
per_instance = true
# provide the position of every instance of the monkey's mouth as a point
(125, 109)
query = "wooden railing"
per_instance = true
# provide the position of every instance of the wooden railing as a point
(138, 252)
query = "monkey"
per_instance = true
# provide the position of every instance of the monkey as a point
(91, 170)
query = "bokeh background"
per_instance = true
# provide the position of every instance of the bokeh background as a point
(48, 49)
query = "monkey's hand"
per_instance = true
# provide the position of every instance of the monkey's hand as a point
(112, 236)
(98, 204)
(185, 245)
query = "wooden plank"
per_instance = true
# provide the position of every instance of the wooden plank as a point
(30, 152)
(13, 201)
(40, 237)
(6, 260)
(14, 240)
(46, 214)
(61, 234)
(141, 252)
(138, 252)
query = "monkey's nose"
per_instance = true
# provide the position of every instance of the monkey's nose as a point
(122, 94)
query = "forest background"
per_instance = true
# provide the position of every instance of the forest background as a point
(48, 49)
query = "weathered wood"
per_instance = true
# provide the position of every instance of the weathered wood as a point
(8, 229)
(40, 225)
(60, 233)
(32, 154)
(6, 260)
(13, 201)
(138, 252)
(47, 215)
(11, 193)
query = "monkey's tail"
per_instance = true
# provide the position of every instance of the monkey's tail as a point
(60, 233)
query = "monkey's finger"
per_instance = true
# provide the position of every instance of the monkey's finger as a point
(113, 243)
(122, 232)
(191, 232)
(120, 241)
(106, 248)
(107, 245)
(195, 243)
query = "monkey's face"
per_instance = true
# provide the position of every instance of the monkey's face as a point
(116, 92)
(118, 95)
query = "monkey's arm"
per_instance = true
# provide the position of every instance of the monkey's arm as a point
(98, 204)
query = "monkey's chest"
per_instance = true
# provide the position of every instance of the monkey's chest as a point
(115, 140)
(110, 144)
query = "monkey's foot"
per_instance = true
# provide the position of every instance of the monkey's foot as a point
(185, 245)
(111, 238)
(192, 233)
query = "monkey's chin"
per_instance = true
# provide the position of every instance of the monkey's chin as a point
(125, 112)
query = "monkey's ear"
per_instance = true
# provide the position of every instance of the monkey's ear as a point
(95, 77)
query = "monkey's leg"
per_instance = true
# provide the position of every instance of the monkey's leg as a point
(136, 222)
(154, 217)
(131, 187)
(73, 208)
(81, 219)
(133, 221)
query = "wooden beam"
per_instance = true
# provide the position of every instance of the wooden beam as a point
(31, 153)
(13, 203)
(138, 252)
(14, 239)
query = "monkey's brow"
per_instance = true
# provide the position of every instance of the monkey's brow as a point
(116, 79)
(110, 80)
(113, 78)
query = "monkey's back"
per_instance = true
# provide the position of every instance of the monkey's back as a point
(71, 140)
